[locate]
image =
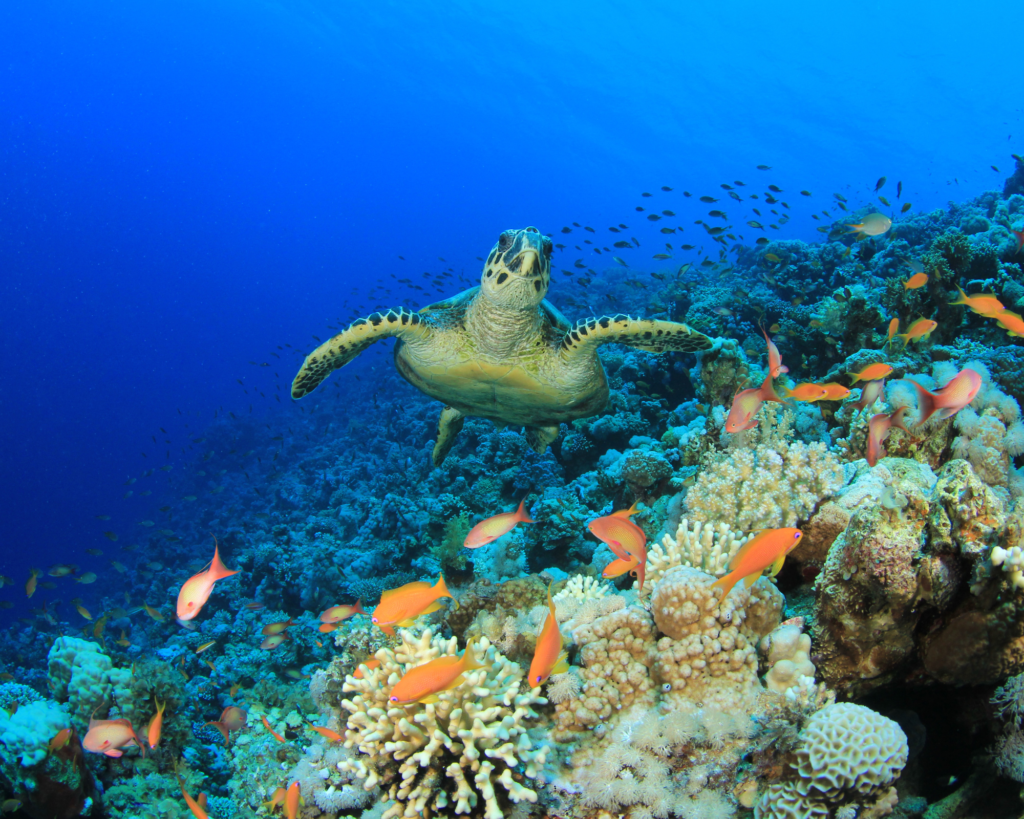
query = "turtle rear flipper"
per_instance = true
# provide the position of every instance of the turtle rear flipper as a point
(651, 335)
(539, 437)
(350, 342)
(449, 425)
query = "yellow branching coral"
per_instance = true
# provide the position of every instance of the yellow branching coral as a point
(451, 756)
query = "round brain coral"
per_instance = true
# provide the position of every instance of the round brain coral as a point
(849, 755)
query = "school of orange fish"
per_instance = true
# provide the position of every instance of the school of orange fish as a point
(401, 607)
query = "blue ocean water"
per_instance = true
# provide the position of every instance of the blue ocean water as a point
(191, 191)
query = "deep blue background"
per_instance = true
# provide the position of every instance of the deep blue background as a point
(185, 185)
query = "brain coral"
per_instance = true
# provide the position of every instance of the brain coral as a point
(765, 487)
(457, 751)
(848, 755)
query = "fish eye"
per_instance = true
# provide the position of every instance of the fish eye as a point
(394, 699)
(504, 241)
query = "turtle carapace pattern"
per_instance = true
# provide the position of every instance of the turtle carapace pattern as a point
(500, 351)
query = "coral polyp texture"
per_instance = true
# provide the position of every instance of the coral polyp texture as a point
(848, 757)
(468, 751)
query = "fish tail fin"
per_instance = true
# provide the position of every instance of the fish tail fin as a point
(925, 403)
(358, 608)
(726, 582)
(469, 662)
(441, 589)
(521, 516)
(896, 419)
(768, 391)
(962, 298)
(218, 571)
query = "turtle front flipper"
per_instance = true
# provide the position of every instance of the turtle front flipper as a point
(539, 437)
(350, 342)
(449, 425)
(645, 334)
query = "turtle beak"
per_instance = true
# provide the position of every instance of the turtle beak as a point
(527, 261)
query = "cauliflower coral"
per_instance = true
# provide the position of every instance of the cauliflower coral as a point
(456, 751)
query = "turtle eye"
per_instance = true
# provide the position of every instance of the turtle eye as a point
(504, 241)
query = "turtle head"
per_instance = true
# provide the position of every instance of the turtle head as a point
(518, 270)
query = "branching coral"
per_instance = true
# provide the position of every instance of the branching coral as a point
(704, 546)
(765, 487)
(455, 752)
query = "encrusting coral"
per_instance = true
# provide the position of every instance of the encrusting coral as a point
(469, 749)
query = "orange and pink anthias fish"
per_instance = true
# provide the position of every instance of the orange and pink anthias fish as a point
(489, 530)
(197, 589)
(765, 550)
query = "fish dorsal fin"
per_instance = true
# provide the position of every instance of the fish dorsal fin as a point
(416, 585)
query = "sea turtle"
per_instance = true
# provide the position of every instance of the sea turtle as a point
(500, 351)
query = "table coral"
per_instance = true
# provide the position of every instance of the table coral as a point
(451, 755)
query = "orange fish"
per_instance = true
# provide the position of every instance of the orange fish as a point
(336, 614)
(916, 281)
(273, 733)
(870, 393)
(108, 736)
(548, 657)
(400, 607)
(197, 807)
(327, 628)
(276, 799)
(156, 724)
(77, 602)
(123, 640)
(327, 733)
(196, 590)
(743, 412)
(494, 527)
(273, 641)
(152, 612)
(291, 801)
(834, 392)
(894, 325)
(874, 224)
(234, 718)
(767, 549)
(424, 682)
(276, 628)
(984, 304)
(33, 580)
(807, 392)
(878, 431)
(775, 366)
(872, 372)
(1020, 238)
(948, 401)
(370, 664)
(624, 538)
(60, 740)
(620, 566)
(922, 328)
(1011, 322)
